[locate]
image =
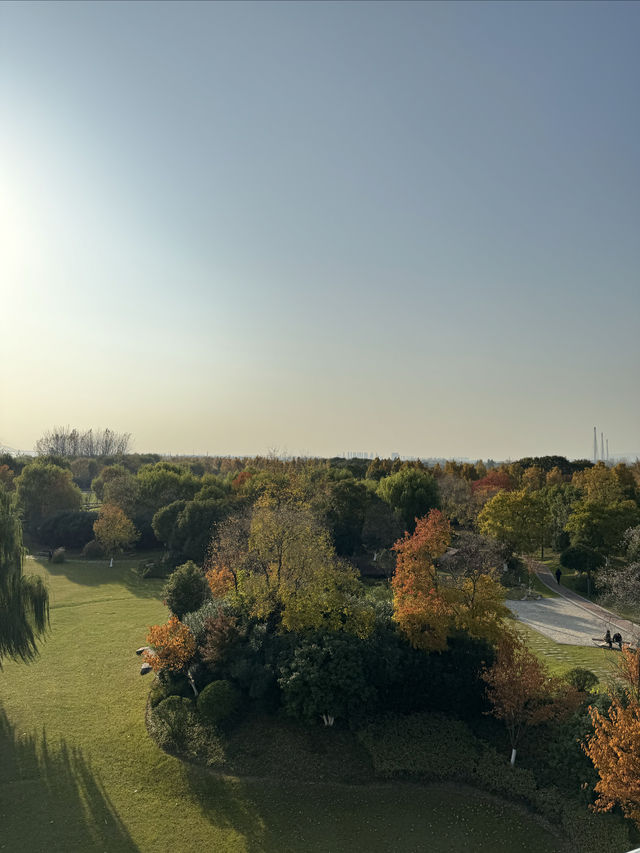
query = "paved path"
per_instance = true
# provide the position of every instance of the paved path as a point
(570, 619)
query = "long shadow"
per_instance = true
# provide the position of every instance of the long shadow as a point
(51, 800)
(226, 804)
(294, 818)
(97, 573)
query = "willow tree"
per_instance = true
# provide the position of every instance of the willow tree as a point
(24, 600)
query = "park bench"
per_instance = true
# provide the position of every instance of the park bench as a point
(602, 644)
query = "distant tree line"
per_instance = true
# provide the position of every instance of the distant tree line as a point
(72, 443)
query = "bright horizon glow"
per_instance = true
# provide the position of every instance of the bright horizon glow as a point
(376, 227)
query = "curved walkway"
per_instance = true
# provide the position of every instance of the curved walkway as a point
(629, 630)
(569, 618)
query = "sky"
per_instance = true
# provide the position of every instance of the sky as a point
(319, 228)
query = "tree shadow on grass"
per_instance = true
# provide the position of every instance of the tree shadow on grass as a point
(51, 800)
(97, 573)
(225, 804)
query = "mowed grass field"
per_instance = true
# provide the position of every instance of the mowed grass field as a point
(79, 773)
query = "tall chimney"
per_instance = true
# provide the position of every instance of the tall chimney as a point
(602, 446)
(595, 446)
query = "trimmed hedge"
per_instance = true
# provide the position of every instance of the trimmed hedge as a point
(218, 701)
(437, 748)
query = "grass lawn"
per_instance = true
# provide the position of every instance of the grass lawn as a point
(79, 773)
(561, 658)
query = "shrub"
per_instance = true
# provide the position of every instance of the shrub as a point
(176, 728)
(92, 550)
(169, 684)
(196, 621)
(174, 716)
(186, 589)
(152, 569)
(58, 556)
(218, 701)
(582, 679)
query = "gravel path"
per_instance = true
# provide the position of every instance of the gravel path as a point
(570, 619)
(561, 620)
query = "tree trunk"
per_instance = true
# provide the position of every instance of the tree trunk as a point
(513, 757)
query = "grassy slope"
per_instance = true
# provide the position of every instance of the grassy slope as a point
(79, 773)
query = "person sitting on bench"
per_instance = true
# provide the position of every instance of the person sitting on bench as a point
(607, 639)
(617, 638)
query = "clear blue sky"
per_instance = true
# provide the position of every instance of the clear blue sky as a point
(322, 226)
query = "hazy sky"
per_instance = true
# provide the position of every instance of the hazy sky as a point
(322, 227)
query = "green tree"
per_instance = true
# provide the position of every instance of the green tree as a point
(517, 519)
(381, 526)
(599, 484)
(291, 574)
(163, 483)
(601, 526)
(108, 473)
(327, 679)
(186, 527)
(560, 500)
(579, 558)
(69, 528)
(348, 501)
(123, 491)
(165, 522)
(186, 589)
(412, 492)
(24, 600)
(44, 489)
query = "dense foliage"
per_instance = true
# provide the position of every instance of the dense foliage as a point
(24, 600)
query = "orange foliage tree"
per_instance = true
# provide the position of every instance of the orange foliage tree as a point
(173, 646)
(113, 530)
(522, 692)
(221, 581)
(420, 609)
(489, 486)
(614, 745)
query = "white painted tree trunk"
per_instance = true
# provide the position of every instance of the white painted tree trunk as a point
(513, 756)
(328, 719)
